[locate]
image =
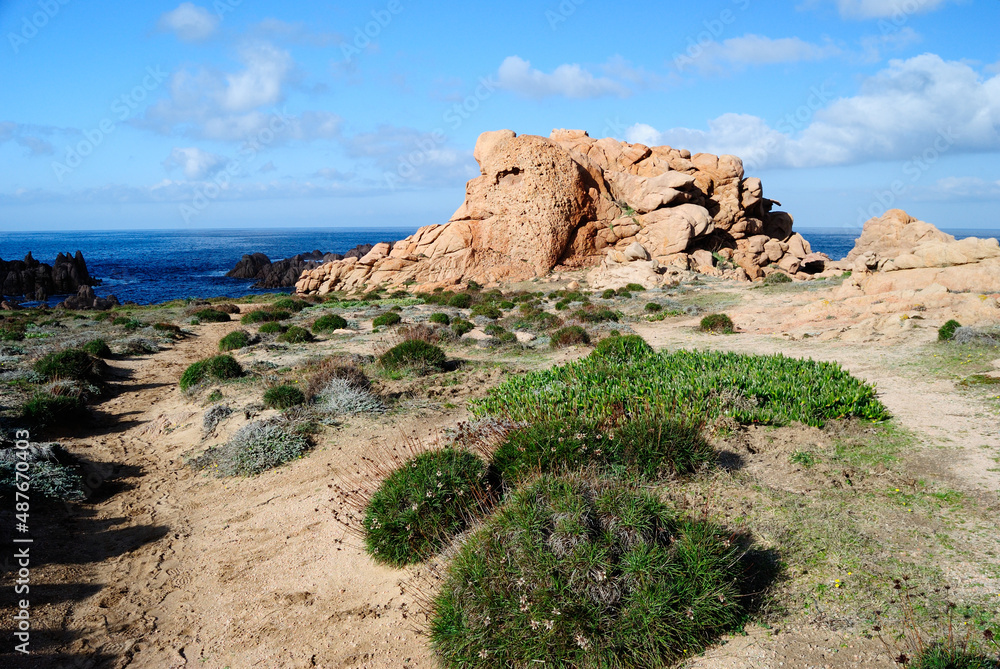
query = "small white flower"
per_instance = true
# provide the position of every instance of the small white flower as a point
(534, 624)
(549, 624)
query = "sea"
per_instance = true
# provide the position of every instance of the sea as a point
(150, 266)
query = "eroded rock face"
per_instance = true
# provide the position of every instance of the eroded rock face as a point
(573, 201)
(896, 252)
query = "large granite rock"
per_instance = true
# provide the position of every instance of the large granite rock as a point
(284, 273)
(34, 280)
(566, 201)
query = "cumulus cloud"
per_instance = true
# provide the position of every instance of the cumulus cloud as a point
(195, 163)
(962, 189)
(910, 107)
(260, 83)
(739, 53)
(571, 81)
(189, 22)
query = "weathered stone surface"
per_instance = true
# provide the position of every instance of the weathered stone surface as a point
(85, 299)
(36, 281)
(571, 200)
(893, 234)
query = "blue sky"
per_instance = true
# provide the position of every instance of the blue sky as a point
(257, 113)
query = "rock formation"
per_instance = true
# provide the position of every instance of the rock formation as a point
(284, 273)
(36, 281)
(572, 201)
(85, 299)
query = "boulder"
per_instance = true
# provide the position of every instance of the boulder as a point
(895, 233)
(86, 299)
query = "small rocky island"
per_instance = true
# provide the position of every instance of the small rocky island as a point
(284, 273)
(34, 280)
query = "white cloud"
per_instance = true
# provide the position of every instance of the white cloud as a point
(189, 22)
(962, 189)
(195, 163)
(880, 9)
(424, 158)
(873, 46)
(918, 105)
(738, 53)
(571, 81)
(260, 83)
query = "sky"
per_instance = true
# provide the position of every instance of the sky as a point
(255, 113)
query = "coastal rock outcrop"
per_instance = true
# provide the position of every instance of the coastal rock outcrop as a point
(86, 299)
(35, 280)
(570, 201)
(284, 273)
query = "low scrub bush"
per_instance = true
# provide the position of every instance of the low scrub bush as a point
(774, 390)
(460, 301)
(234, 340)
(127, 322)
(414, 354)
(424, 504)
(97, 348)
(264, 316)
(219, 368)
(386, 320)
(73, 363)
(608, 294)
(460, 326)
(136, 345)
(440, 318)
(215, 415)
(571, 335)
(12, 331)
(947, 331)
(255, 448)
(295, 335)
(486, 310)
(212, 316)
(653, 307)
(717, 323)
(775, 278)
(271, 328)
(622, 349)
(571, 573)
(595, 315)
(289, 304)
(52, 475)
(341, 397)
(648, 446)
(329, 323)
(337, 367)
(170, 329)
(283, 397)
(635, 288)
(45, 410)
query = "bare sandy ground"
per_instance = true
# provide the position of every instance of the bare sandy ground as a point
(174, 568)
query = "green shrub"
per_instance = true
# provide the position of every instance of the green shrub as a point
(947, 656)
(622, 350)
(97, 348)
(624, 293)
(52, 480)
(775, 278)
(255, 448)
(212, 316)
(562, 305)
(103, 316)
(271, 328)
(460, 301)
(635, 287)
(571, 335)
(769, 389)
(461, 326)
(283, 397)
(220, 368)
(129, 323)
(295, 335)
(12, 331)
(717, 323)
(72, 363)
(234, 340)
(438, 317)
(424, 504)
(649, 446)
(44, 410)
(487, 310)
(577, 574)
(264, 316)
(474, 286)
(168, 328)
(329, 323)
(947, 331)
(506, 305)
(608, 294)
(289, 304)
(595, 315)
(386, 320)
(653, 307)
(414, 353)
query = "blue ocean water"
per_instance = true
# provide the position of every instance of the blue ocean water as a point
(159, 265)
(151, 266)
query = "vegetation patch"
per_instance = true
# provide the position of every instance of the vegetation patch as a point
(719, 323)
(73, 363)
(415, 354)
(571, 335)
(486, 310)
(622, 349)
(212, 316)
(295, 335)
(97, 348)
(947, 331)
(578, 574)
(219, 368)
(460, 326)
(440, 318)
(460, 301)
(234, 340)
(271, 328)
(595, 315)
(264, 316)
(775, 278)
(283, 397)
(45, 410)
(329, 323)
(342, 397)
(289, 304)
(255, 448)
(424, 504)
(761, 389)
(386, 320)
